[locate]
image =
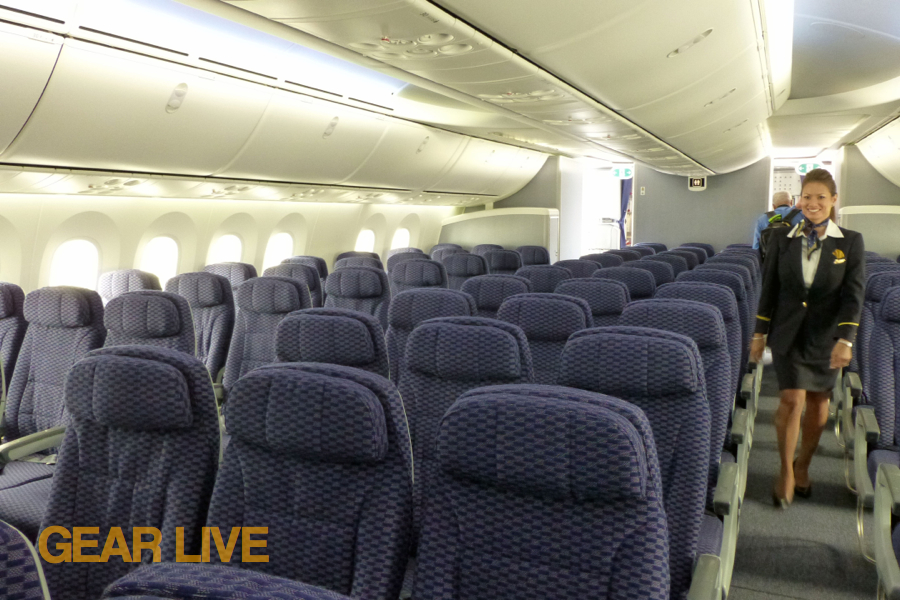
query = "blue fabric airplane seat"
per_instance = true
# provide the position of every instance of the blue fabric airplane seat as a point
(335, 336)
(490, 291)
(679, 264)
(700, 253)
(356, 254)
(544, 278)
(212, 310)
(502, 262)
(578, 268)
(604, 260)
(524, 468)
(642, 250)
(394, 259)
(663, 273)
(417, 274)
(360, 288)
(482, 249)
(359, 261)
(462, 267)
(113, 283)
(21, 576)
(533, 255)
(150, 318)
(305, 274)
(657, 247)
(12, 332)
(547, 320)
(441, 254)
(441, 247)
(641, 284)
(395, 251)
(626, 254)
(687, 255)
(235, 272)
(411, 308)
(315, 262)
(607, 298)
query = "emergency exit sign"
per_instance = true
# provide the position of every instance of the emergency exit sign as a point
(804, 168)
(623, 172)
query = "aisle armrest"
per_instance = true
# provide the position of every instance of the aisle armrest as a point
(853, 383)
(866, 432)
(740, 426)
(30, 444)
(705, 582)
(725, 496)
(887, 504)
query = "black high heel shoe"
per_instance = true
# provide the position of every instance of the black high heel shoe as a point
(781, 503)
(803, 492)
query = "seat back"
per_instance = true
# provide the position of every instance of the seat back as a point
(877, 286)
(411, 308)
(700, 253)
(877, 258)
(441, 247)
(502, 262)
(660, 373)
(482, 249)
(625, 254)
(533, 255)
(883, 386)
(461, 267)
(738, 258)
(444, 358)
(12, 330)
(64, 324)
(235, 272)
(315, 262)
(657, 247)
(113, 283)
(604, 260)
(517, 461)
(212, 309)
(679, 264)
(441, 254)
(547, 320)
(150, 318)
(663, 273)
(643, 250)
(356, 254)
(400, 257)
(305, 274)
(338, 440)
(21, 576)
(689, 257)
(335, 336)
(641, 284)
(578, 268)
(360, 288)
(740, 246)
(733, 282)
(606, 297)
(708, 248)
(395, 251)
(416, 274)
(358, 261)
(490, 291)
(262, 303)
(132, 457)
(544, 278)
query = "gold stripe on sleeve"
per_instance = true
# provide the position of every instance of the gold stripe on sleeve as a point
(848, 323)
(763, 318)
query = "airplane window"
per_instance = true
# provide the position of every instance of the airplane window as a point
(161, 258)
(401, 238)
(76, 263)
(280, 247)
(226, 249)
(365, 242)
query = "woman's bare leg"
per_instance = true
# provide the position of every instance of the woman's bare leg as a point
(787, 426)
(813, 425)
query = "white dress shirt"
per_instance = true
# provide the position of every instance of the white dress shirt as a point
(810, 261)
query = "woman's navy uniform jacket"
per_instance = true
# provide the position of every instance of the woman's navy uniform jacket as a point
(829, 309)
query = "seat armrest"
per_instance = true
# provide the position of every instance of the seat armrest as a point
(725, 496)
(740, 426)
(29, 444)
(887, 503)
(220, 376)
(866, 432)
(705, 584)
(219, 391)
(747, 382)
(852, 383)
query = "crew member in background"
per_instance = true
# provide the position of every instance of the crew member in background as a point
(781, 204)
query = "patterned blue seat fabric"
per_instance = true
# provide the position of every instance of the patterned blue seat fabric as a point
(750, 292)
(212, 309)
(315, 262)
(413, 307)
(547, 320)
(186, 581)
(416, 274)
(150, 318)
(336, 440)
(641, 284)
(305, 274)
(336, 336)
(395, 251)
(446, 357)
(678, 263)
(604, 260)
(700, 253)
(137, 413)
(656, 246)
(662, 272)
(689, 257)
(877, 258)
(743, 260)
(660, 372)
(533, 255)
(400, 257)
(523, 469)
(20, 572)
(607, 298)
(360, 288)
(883, 387)
(502, 262)
(12, 329)
(643, 250)
(113, 283)
(440, 254)
(461, 267)
(625, 255)
(482, 249)
(262, 302)
(355, 254)
(490, 291)
(708, 248)
(544, 278)
(437, 247)
(64, 324)
(578, 268)
(358, 261)
(877, 285)
(235, 272)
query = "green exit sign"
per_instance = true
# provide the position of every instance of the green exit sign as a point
(804, 168)
(623, 172)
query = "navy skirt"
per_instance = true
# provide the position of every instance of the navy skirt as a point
(803, 368)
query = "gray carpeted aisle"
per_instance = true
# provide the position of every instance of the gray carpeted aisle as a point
(808, 551)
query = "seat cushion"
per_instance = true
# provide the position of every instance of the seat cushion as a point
(877, 457)
(711, 531)
(20, 472)
(24, 506)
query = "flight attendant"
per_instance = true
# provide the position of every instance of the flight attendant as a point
(812, 297)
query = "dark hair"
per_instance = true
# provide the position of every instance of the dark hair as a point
(821, 176)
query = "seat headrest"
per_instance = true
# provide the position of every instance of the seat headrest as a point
(502, 259)
(546, 317)
(122, 392)
(411, 307)
(328, 336)
(298, 271)
(114, 283)
(879, 283)
(356, 282)
(11, 300)
(355, 254)
(315, 262)
(420, 273)
(407, 250)
(534, 255)
(698, 321)
(890, 305)
(201, 290)
(312, 416)
(482, 248)
(395, 259)
(464, 265)
(641, 284)
(468, 349)
(269, 295)
(631, 362)
(235, 272)
(604, 296)
(715, 294)
(144, 314)
(544, 277)
(58, 307)
(358, 261)
(578, 268)
(662, 271)
(732, 281)
(490, 291)
(567, 447)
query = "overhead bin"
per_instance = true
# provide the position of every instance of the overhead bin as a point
(27, 57)
(110, 109)
(482, 166)
(49, 14)
(882, 150)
